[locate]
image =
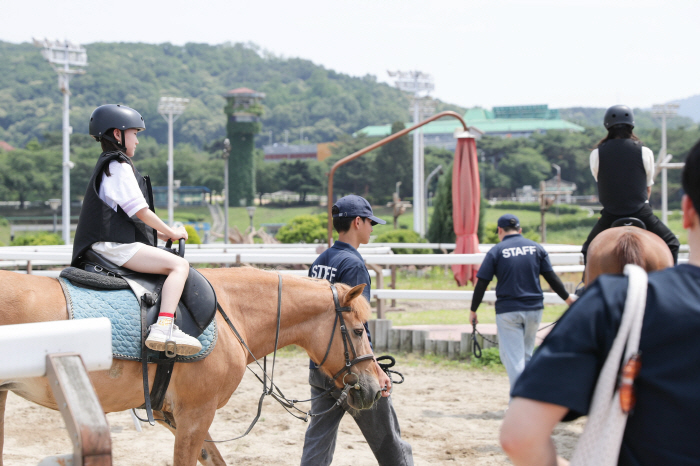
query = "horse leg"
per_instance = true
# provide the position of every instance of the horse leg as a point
(192, 429)
(3, 401)
(209, 454)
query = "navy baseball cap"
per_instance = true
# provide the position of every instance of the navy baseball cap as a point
(355, 206)
(508, 221)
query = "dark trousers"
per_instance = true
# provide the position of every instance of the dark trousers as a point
(647, 216)
(379, 425)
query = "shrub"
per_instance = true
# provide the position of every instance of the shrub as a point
(403, 236)
(305, 229)
(489, 357)
(192, 235)
(37, 239)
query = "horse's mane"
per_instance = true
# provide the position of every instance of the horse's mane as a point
(360, 306)
(628, 249)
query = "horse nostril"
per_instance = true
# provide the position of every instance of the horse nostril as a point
(377, 396)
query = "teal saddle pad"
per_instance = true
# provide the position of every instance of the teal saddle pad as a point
(123, 310)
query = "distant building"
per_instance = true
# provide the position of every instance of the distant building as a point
(516, 121)
(280, 152)
(529, 194)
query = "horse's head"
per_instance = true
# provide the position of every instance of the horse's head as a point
(346, 356)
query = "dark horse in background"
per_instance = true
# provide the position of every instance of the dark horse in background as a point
(615, 247)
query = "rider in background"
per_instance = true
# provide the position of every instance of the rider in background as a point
(118, 222)
(624, 170)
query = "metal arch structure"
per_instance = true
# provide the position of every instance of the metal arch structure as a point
(370, 148)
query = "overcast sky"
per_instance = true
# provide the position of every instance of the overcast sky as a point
(592, 53)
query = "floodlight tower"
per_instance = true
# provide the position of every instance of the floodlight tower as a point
(664, 110)
(420, 85)
(170, 108)
(63, 56)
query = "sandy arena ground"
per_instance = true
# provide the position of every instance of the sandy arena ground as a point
(450, 416)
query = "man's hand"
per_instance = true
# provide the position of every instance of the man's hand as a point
(384, 381)
(570, 300)
(473, 319)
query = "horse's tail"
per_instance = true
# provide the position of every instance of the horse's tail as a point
(628, 250)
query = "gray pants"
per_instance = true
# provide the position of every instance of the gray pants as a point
(516, 340)
(379, 426)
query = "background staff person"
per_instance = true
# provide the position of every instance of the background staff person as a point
(517, 262)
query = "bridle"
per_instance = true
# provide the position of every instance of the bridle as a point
(274, 391)
(346, 341)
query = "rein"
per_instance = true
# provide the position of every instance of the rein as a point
(274, 391)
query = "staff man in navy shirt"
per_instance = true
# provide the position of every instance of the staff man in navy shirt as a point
(518, 263)
(353, 219)
(559, 382)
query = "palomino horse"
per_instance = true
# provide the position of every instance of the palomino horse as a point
(198, 389)
(615, 247)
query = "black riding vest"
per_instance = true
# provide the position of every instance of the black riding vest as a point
(622, 179)
(99, 222)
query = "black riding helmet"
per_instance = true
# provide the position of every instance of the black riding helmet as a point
(618, 114)
(107, 117)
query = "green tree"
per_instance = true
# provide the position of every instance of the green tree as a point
(30, 174)
(305, 229)
(441, 227)
(525, 167)
(392, 164)
(354, 177)
(302, 177)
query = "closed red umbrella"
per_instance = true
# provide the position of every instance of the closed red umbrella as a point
(466, 197)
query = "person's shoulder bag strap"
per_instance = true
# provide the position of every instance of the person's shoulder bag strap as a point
(600, 442)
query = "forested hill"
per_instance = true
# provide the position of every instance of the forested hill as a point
(300, 94)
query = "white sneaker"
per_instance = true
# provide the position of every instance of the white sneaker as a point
(185, 345)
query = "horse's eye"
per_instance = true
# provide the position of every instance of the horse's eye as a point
(358, 331)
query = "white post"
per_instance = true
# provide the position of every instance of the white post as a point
(417, 174)
(226, 152)
(62, 56)
(65, 211)
(170, 108)
(170, 170)
(664, 196)
(226, 201)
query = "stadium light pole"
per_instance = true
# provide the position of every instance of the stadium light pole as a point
(170, 108)
(420, 85)
(225, 154)
(664, 110)
(64, 57)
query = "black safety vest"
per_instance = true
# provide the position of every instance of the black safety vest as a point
(99, 222)
(622, 179)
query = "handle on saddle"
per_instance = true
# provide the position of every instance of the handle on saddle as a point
(181, 247)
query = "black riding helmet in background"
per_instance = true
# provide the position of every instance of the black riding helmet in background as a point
(108, 117)
(618, 114)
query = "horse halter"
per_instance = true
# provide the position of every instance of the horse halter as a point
(346, 341)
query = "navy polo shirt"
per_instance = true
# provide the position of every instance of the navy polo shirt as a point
(342, 263)
(517, 262)
(662, 428)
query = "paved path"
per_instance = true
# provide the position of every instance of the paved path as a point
(454, 332)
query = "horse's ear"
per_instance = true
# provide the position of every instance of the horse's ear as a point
(353, 293)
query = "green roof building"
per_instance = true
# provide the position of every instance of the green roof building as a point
(517, 121)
